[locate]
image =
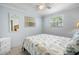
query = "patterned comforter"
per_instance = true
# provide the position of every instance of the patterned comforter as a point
(45, 44)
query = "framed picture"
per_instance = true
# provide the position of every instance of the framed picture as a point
(29, 21)
(13, 22)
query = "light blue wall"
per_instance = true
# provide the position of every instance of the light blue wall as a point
(18, 37)
(0, 21)
(70, 17)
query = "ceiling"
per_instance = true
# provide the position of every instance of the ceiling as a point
(55, 7)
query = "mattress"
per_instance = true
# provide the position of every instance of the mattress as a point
(45, 44)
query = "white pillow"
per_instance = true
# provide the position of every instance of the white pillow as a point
(76, 34)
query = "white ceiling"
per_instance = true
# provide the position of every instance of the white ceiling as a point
(55, 7)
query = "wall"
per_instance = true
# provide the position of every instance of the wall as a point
(0, 21)
(70, 18)
(18, 37)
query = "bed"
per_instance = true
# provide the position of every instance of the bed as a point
(45, 44)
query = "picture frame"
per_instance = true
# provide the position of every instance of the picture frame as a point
(29, 21)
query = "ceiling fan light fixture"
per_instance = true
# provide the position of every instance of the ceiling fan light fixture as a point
(42, 6)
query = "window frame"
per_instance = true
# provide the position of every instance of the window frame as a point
(54, 21)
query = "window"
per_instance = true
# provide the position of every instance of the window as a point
(56, 21)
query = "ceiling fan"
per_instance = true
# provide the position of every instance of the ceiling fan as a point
(44, 6)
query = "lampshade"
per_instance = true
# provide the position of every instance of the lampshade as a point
(77, 25)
